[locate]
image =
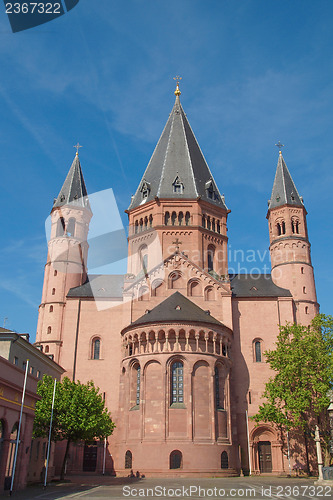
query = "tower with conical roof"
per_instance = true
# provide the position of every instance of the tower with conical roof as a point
(178, 198)
(290, 247)
(67, 257)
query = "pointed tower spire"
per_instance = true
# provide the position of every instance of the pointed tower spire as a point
(284, 191)
(74, 190)
(177, 168)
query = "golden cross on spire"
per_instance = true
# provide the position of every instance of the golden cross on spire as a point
(177, 243)
(279, 145)
(177, 91)
(77, 146)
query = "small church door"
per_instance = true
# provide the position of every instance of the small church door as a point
(89, 457)
(265, 456)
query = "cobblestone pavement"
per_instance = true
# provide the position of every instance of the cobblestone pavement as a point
(98, 487)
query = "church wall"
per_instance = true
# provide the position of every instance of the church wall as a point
(254, 320)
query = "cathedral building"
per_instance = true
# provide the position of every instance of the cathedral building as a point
(177, 344)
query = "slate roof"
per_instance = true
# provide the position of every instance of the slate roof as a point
(100, 286)
(74, 190)
(255, 285)
(284, 190)
(176, 308)
(177, 158)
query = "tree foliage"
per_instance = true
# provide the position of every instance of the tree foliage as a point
(303, 364)
(79, 412)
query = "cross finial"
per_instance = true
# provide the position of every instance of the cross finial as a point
(177, 243)
(177, 91)
(279, 145)
(77, 146)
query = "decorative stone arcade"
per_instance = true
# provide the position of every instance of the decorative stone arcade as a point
(176, 399)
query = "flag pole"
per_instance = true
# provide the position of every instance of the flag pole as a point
(50, 431)
(19, 427)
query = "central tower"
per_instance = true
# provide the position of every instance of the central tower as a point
(175, 409)
(178, 201)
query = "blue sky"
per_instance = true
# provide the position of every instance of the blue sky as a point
(254, 72)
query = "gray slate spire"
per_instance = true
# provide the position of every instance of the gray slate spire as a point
(284, 190)
(177, 168)
(74, 190)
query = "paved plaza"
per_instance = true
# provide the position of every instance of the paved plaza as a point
(99, 487)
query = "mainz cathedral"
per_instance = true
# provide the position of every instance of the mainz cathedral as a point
(177, 344)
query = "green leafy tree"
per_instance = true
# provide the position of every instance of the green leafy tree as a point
(297, 396)
(79, 413)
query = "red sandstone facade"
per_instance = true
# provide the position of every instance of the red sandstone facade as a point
(178, 351)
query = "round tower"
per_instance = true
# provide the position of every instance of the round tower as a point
(290, 248)
(66, 265)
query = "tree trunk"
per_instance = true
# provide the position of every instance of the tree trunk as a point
(62, 473)
(307, 453)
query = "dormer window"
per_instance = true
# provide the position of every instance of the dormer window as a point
(178, 186)
(211, 190)
(145, 190)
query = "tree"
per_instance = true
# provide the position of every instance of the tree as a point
(297, 396)
(79, 413)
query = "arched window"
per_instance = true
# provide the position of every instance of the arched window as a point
(217, 388)
(209, 224)
(143, 253)
(187, 218)
(203, 221)
(176, 459)
(150, 220)
(51, 309)
(278, 226)
(53, 291)
(210, 257)
(173, 218)
(209, 293)
(96, 349)
(194, 288)
(138, 379)
(71, 227)
(143, 293)
(295, 226)
(257, 351)
(2, 432)
(213, 225)
(175, 280)
(180, 218)
(304, 289)
(302, 270)
(283, 227)
(49, 329)
(177, 387)
(146, 222)
(218, 227)
(306, 310)
(47, 349)
(141, 224)
(128, 459)
(224, 460)
(136, 227)
(61, 226)
(11, 451)
(166, 218)
(55, 273)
